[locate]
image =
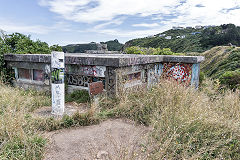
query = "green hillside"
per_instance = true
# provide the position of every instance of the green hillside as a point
(222, 63)
(113, 45)
(220, 59)
(191, 39)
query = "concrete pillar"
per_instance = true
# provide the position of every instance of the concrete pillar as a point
(195, 75)
(111, 81)
(57, 79)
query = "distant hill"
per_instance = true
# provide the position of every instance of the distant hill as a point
(112, 45)
(198, 39)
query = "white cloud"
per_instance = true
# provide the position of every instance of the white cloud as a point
(10, 26)
(117, 21)
(147, 25)
(129, 33)
(167, 14)
(105, 10)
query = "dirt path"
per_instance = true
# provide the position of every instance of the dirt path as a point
(112, 139)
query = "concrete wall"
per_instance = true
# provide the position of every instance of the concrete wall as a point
(112, 70)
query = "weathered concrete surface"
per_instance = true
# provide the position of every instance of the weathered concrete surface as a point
(25, 84)
(101, 52)
(182, 59)
(113, 60)
(82, 69)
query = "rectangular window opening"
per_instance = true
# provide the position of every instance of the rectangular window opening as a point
(24, 73)
(37, 75)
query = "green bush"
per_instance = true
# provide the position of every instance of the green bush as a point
(79, 96)
(201, 77)
(18, 43)
(231, 79)
(150, 51)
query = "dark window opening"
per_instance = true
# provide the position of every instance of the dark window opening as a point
(38, 75)
(24, 73)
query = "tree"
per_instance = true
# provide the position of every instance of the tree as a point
(18, 43)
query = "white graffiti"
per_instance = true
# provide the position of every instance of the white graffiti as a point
(178, 72)
(99, 71)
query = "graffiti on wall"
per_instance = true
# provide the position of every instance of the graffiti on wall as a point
(80, 80)
(132, 79)
(154, 74)
(57, 76)
(96, 71)
(178, 72)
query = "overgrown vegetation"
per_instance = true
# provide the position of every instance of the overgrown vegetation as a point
(150, 51)
(79, 96)
(222, 63)
(19, 139)
(191, 39)
(231, 79)
(187, 124)
(18, 43)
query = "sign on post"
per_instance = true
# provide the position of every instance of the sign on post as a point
(95, 88)
(57, 79)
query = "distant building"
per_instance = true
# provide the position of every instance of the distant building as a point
(176, 28)
(194, 33)
(150, 36)
(183, 36)
(162, 35)
(168, 37)
(208, 26)
(198, 27)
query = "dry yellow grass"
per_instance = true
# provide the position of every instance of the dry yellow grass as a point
(188, 124)
(18, 138)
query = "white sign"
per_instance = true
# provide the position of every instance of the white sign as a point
(57, 79)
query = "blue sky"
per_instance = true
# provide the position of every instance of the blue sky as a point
(81, 21)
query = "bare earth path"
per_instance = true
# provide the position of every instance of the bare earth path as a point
(111, 139)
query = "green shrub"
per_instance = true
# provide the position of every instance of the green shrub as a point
(201, 77)
(79, 96)
(18, 43)
(231, 79)
(150, 51)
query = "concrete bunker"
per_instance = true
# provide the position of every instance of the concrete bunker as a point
(33, 70)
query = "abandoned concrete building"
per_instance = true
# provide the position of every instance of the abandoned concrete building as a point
(33, 70)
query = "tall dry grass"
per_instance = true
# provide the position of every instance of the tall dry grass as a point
(18, 138)
(188, 124)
